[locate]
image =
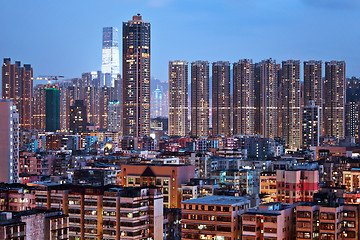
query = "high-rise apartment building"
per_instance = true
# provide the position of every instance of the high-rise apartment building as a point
(114, 116)
(291, 103)
(136, 77)
(110, 67)
(72, 94)
(334, 91)
(352, 119)
(243, 86)
(9, 144)
(313, 87)
(91, 100)
(310, 125)
(17, 84)
(178, 98)
(221, 98)
(106, 95)
(52, 110)
(78, 117)
(266, 99)
(39, 108)
(200, 98)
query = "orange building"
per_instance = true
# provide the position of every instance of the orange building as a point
(167, 177)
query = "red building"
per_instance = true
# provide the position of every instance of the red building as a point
(296, 185)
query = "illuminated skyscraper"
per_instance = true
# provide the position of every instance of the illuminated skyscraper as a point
(110, 56)
(39, 108)
(243, 97)
(334, 91)
(200, 98)
(136, 77)
(106, 95)
(78, 117)
(90, 97)
(310, 125)
(221, 98)
(178, 98)
(157, 103)
(266, 99)
(291, 103)
(114, 116)
(313, 87)
(17, 84)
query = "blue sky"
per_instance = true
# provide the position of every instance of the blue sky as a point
(64, 36)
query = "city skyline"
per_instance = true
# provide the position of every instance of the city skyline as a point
(242, 27)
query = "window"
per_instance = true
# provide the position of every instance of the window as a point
(158, 181)
(130, 180)
(302, 214)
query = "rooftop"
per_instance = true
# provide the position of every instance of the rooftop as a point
(217, 200)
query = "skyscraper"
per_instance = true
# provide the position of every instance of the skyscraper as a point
(78, 117)
(136, 77)
(106, 95)
(17, 84)
(114, 116)
(157, 103)
(243, 85)
(110, 56)
(310, 125)
(39, 108)
(178, 98)
(313, 87)
(52, 110)
(334, 91)
(200, 98)
(266, 99)
(90, 96)
(9, 144)
(221, 98)
(291, 103)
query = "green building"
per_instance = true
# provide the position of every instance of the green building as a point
(52, 110)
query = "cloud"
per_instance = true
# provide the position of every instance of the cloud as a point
(333, 4)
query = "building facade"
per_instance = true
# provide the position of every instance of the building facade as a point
(200, 99)
(136, 77)
(9, 145)
(244, 108)
(17, 84)
(291, 130)
(178, 98)
(221, 98)
(110, 66)
(334, 91)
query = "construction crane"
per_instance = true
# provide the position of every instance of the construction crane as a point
(49, 78)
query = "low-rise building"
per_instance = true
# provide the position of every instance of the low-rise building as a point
(296, 185)
(268, 186)
(213, 217)
(167, 177)
(106, 212)
(270, 221)
(34, 224)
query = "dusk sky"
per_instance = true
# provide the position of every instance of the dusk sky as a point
(64, 37)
